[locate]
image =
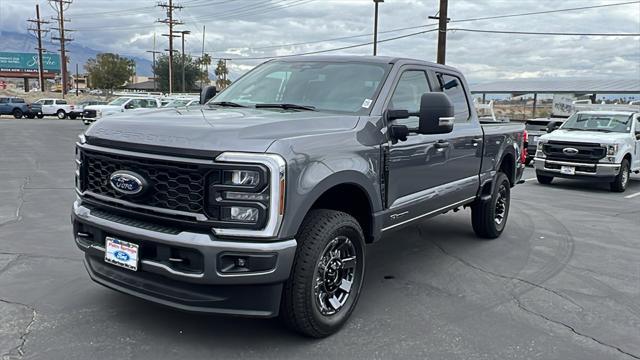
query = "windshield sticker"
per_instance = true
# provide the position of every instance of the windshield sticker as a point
(366, 103)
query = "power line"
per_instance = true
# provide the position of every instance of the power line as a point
(546, 33)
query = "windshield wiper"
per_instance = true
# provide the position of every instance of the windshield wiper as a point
(287, 106)
(227, 103)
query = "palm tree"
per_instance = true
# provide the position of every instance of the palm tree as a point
(205, 61)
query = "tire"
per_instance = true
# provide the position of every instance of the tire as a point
(40, 116)
(622, 179)
(73, 116)
(489, 218)
(543, 179)
(17, 113)
(309, 311)
(61, 114)
(31, 116)
(527, 161)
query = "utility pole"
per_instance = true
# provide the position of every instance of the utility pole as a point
(38, 31)
(170, 7)
(60, 6)
(442, 30)
(77, 78)
(183, 33)
(202, 57)
(154, 52)
(375, 28)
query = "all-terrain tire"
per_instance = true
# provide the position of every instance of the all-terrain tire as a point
(17, 113)
(489, 218)
(301, 308)
(543, 179)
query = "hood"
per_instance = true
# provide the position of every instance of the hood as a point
(217, 129)
(598, 137)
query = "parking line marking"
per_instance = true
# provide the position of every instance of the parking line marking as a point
(632, 195)
(530, 179)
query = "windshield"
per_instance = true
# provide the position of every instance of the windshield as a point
(119, 101)
(348, 87)
(177, 103)
(598, 122)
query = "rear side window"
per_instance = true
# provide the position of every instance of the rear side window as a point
(4, 100)
(61, 102)
(452, 86)
(18, 100)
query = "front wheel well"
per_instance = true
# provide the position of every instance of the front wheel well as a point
(628, 157)
(351, 199)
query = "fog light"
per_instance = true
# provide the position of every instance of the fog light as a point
(240, 213)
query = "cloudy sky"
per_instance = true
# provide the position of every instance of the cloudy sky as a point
(263, 28)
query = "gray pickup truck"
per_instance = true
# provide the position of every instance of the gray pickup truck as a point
(18, 108)
(260, 202)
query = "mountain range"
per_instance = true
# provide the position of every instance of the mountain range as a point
(78, 54)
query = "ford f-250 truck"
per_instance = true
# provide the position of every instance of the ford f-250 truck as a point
(600, 145)
(261, 202)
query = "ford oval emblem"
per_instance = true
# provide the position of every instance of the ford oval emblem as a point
(127, 182)
(121, 255)
(570, 151)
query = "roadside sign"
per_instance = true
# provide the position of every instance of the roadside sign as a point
(26, 64)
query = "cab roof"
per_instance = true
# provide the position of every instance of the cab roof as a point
(363, 59)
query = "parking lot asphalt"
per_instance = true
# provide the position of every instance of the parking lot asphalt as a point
(563, 281)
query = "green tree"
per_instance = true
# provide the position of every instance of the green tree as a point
(192, 72)
(221, 74)
(205, 62)
(109, 71)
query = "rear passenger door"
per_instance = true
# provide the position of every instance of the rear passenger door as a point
(466, 140)
(636, 156)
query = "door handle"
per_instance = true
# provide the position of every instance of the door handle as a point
(441, 144)
(476, 140)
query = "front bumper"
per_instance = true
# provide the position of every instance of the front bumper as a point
(208, 289)
(588, 171)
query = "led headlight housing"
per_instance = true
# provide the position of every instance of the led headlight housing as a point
(612, 150)
(246, 195)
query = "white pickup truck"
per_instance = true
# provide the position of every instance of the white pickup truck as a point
(92, 113)
(57, 107)
(599, 145)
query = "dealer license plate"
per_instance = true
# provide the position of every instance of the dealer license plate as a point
(568, 170)
(121, 253)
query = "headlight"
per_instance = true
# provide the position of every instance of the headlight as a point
(241, 177)
(246, 195)
(612, 150)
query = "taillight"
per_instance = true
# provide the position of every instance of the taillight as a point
(525, 145)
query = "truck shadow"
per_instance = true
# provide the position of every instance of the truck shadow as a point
(414, 255)
(578, 185)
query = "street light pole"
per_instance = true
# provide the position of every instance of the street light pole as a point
(375, 28)
(184, 86)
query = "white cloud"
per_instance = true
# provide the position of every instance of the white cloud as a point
(245, 27)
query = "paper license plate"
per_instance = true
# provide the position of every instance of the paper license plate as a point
(121, 253)
(568, 170)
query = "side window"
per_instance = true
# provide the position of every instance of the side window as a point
(452, 86)
(407, 95)
(48, 102)
(61, 102)
(638, 125)
(4, 100)
(134, 104)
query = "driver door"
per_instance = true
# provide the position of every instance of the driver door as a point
(636, 156)
(417, 168)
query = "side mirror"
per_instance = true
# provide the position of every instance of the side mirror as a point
(436, 114)
(553, 126)
(128, 106)
(207, 93)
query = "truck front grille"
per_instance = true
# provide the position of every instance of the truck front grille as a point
(171, 185)
(587, 152)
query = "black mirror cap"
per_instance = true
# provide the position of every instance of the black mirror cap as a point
(436, 114)
(399, 132)
(207, 93)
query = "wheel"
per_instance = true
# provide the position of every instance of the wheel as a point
(527, 161)
(543, 179)
(73, 116)
(86, 122)
(40, 116)
(327, 274)
(621, 181)
(61, 114)
(489, 218)
(17, 113)
(31, 116)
